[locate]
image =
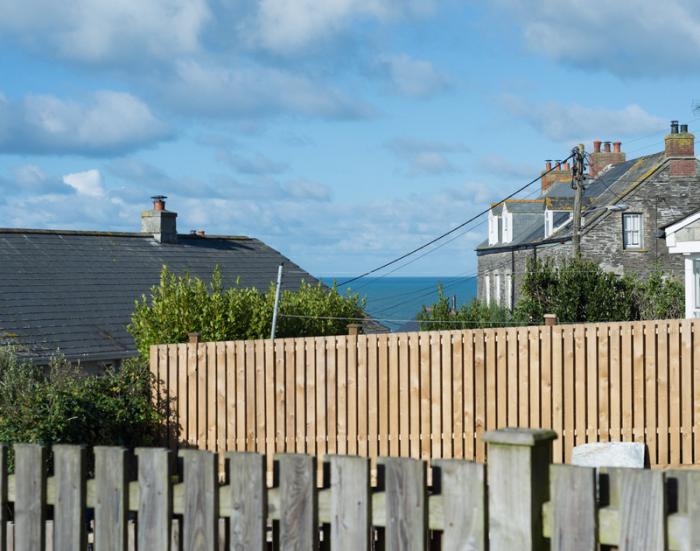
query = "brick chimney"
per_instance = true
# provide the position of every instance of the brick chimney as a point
(561, 173)
(601, 159)
(159, 222)
(680, 149)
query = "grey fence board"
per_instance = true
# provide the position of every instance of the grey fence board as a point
(111, 499)
(298, 503)
(574, 518)
(155, 499)
(350, 503)
(4, 517)
(30, 500)
(642, 509)
(463, 490)
(201, 523)
(406, 504)
(248, 495)
(71, 497)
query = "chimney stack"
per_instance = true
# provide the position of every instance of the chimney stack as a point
(561, 173)
(601, 159)
(680, 149)
(159, 222)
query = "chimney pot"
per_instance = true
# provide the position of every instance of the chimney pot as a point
(548, 165)
(684, 128)
(159, 202)
(674, 127)
(566, 166)
(617, 147)
(160, 223)
(606, 147)
(596, 146)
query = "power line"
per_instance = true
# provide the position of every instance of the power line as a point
(449, 232)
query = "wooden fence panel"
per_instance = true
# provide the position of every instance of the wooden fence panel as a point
(433, 394)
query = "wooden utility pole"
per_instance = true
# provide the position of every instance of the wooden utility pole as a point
(577, 184)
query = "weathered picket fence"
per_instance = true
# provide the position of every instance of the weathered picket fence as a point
(521, 501)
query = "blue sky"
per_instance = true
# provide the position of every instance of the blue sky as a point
(342, 132)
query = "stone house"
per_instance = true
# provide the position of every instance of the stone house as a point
(627, 204)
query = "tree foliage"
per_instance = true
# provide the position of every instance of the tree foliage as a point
(182, 304)
(60, 404)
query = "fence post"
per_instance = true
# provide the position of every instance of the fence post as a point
(354, 329)
(550, 319)
(518, 482)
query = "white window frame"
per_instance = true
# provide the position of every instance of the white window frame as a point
(497, 288)
(487, 289)
(508, 277)
(493, 228)
(548, 222)
(632, 238)
(507, 227)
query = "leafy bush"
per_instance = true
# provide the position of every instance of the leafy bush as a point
(440, 315)
(180, 305)
(578, 290)
(60, 404)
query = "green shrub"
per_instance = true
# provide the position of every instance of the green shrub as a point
(180, 305)
(440, 315)
(60, 404)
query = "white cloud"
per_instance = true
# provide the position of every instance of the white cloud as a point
(215, 90)
(413, 77)
(632, 38)
(97, 31)
(88, 183)
(506, 168)
(256, 164)
(286, 26)
(425, 157)
(574, 122)
(107, 123)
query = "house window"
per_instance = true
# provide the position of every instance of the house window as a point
(487, 289)
(632, 231)
(497, 288)
(493, 229)
(507, 227)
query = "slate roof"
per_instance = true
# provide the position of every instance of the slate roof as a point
(607, 188)
(75, 291)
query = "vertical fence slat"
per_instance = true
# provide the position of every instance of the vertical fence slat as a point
(686, 392)
(261, 425)
(30, 496)
(674, 389)
(155, 499)
(250, 396)
(350, 503)
(627, 379)
(501, 378)
(435, 395)
(662, 392)
(480, 394)
(580, 384)
(111, 495)
(342, 396)
(200, 519)
(280, 398)
(290, 395)
(446, 394)
(331, 396)
(222, 370)
(353, 374)
(603, 384)
(523, 378)
(458, 395)
(638, 381)
(299, 393)
(395, 395)
(172, 394)
(425, 409)
(463, 490)
(403, 405)
(415, 394)
(546, 394)
(642, 509)
(298, 502)
(512, 377)
(384, 390)
(535, 377)
(230, 396)
(241, 391)
(248, 501)
(181, 398)
(70, 481)
(372, 397)
(406, 504)
(592, 383)
(192, 376)
(569, 381)
(469, 371)
(362, 395)
(202, 384)
(491, 379)
(321, 411)
(558, 392)
(574, 515)
(651, 382)
(615, 385)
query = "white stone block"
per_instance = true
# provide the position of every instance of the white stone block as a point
(609, 454)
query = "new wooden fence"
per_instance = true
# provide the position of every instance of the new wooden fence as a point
(432, 394)
(530, 504)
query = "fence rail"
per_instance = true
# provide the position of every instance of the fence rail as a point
(432, 394)
(530, 503)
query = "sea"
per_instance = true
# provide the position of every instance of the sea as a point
(396, 301)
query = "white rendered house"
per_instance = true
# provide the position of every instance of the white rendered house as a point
(683, 237)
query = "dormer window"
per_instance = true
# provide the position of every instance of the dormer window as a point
(507, 227)
(494, 223)
(554, 220)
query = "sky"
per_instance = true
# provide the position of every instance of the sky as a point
(343, 132)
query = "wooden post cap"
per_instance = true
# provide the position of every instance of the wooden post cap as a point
(550, 319)
(354, 328)
(518, 436)
(194, 338)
